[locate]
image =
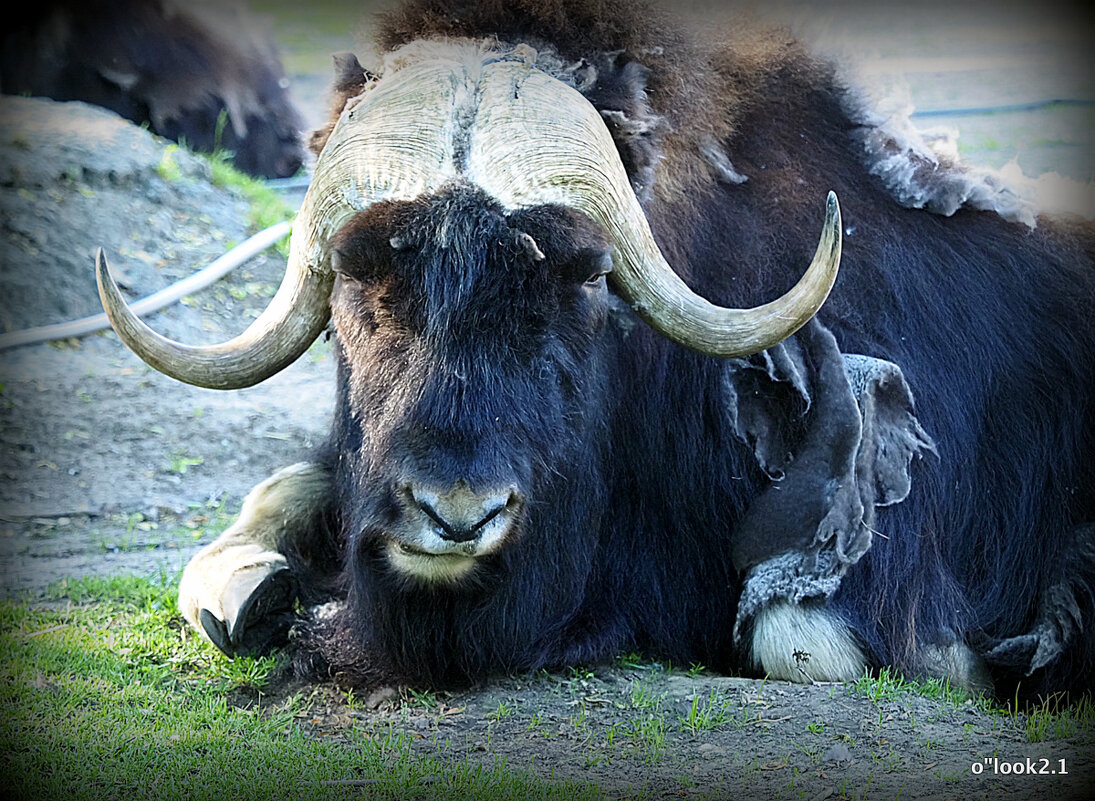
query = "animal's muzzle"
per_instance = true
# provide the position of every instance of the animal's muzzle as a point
(461, 514)
(441, 535)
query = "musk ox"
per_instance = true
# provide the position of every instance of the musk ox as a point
(547, 448)
(201, 73)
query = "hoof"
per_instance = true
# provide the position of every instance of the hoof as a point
(258, 612)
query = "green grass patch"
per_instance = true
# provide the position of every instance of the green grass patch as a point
(105, 693)
(1057, 717)
(168, 168)
(267, 206)
(132, 591)
(887, 685)
(707, 714)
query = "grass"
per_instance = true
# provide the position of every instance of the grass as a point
(1054, 718)
(266, 206)
(168, 168)
(708, 714)
(180, 463)
(890, 686)
(106, 694)
(643, 696)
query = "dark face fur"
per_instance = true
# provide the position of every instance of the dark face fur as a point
(470, 371)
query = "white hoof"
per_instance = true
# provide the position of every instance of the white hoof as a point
(238, 591)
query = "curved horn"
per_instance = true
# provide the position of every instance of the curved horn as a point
(383, 147)
(292, 321)
(655, 290)
(574, 162)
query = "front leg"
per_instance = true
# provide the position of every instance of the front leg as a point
(239, 591)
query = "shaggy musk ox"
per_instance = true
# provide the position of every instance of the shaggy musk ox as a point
(195, 72)
(547, 449)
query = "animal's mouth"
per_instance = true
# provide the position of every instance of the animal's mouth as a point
(412, 551)
(441, 536)
(445, 567)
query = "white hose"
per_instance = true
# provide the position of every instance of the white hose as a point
(165, 297)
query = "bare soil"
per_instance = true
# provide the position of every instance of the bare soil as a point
(104, 459)
(109, 467)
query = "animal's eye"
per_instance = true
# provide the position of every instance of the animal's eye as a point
(341, 266)
(588, 267)
(360, 264)
(598, 266)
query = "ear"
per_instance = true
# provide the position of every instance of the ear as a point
(350, 76)
(350, 80)
(836, 434)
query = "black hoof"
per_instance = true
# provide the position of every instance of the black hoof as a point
(216, 631)
(265, 617)
(259, 615)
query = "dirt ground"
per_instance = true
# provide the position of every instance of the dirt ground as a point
(109, 467)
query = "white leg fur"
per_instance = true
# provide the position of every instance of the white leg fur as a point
(247, 550)
(825, 648)
(959, 665)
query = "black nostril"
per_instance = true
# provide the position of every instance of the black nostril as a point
(459, 514)
(447, 530)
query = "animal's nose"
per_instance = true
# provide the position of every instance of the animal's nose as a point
(460, 514)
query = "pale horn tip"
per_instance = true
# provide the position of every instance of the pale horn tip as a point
(832, 215)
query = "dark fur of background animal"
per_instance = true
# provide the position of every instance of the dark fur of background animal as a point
(201, 73)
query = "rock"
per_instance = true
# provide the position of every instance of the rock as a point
(838, 753)
(45, 141)
(380, 696)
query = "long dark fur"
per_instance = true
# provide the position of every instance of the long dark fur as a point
(636, 479)
(164, 64)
